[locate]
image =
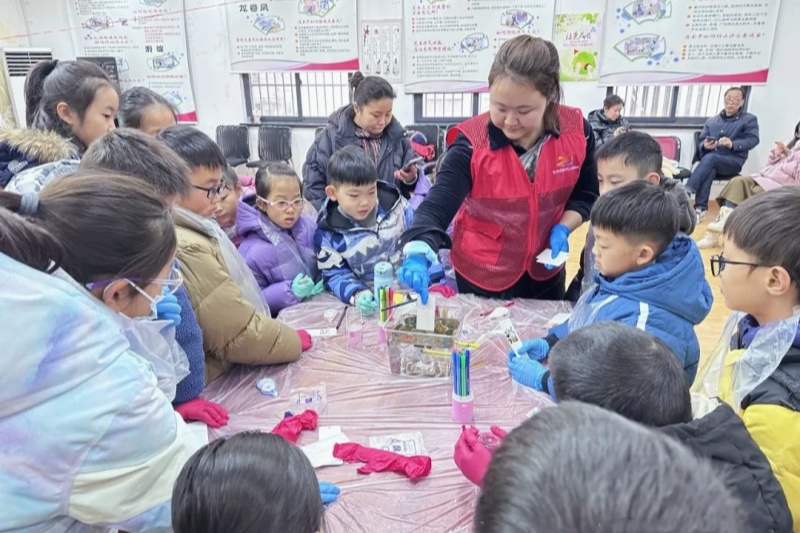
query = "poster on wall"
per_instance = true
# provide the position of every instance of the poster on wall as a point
(450, 44)
(148, 40)
(688, 41)
(577, 38)
(382, 49)
(292, 35)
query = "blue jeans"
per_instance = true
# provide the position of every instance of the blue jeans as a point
(706, 172)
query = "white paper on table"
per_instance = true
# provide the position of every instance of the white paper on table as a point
(403, 443)
(546, 258)
(426, 314)
(560, 318)
(323, 333)
(326, 432)
(320, 453)
(199, 431)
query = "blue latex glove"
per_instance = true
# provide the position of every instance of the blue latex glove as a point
(366, 303)
(526, 371)
(559, 242)
(302, 286)
(414, 272)
(168, 308)
(329, 492)
(535, 349)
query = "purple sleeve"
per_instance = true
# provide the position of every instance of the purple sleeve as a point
(279, 296)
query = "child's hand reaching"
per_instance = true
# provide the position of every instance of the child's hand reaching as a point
(303, 287)
(366, 303)
(536, 349)
(471, 456)
(527, 371)
(200, 410)
(329, 492)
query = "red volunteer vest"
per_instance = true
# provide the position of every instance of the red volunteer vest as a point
(505, 221)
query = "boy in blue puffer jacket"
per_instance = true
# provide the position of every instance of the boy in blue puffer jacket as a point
(648, 277)
(359, 226)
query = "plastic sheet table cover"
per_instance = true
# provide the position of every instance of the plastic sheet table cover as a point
(366, 400)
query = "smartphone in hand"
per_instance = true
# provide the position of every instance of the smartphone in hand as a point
(411, 164)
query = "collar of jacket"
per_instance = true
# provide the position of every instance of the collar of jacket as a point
(194, 222)
(724, 116)
(40, 145)
(331, 219)
(498, 139)
(344, 119)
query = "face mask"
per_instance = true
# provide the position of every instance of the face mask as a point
(169, 286)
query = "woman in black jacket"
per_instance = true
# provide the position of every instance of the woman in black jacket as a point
(368, 123)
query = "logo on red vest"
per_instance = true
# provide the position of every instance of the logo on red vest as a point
(565, 163)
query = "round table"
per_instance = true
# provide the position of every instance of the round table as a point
(366, 400)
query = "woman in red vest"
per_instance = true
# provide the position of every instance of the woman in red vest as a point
(518, 179)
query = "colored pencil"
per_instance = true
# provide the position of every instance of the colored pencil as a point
(469, 386)
(463, 375)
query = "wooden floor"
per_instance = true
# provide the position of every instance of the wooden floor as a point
(709, 331)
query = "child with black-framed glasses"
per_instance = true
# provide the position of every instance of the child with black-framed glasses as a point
(278, 238)
(231, 311)
(756, 366)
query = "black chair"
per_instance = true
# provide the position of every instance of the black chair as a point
(274, 144)
(234, 141)
(698, 153)
(431, 133)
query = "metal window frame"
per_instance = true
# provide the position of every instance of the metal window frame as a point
(673, 122)
(442, 121)
(299, 118)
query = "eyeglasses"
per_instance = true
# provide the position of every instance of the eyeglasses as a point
(719, 262)
(729, 101)
(172, 283)
(284, 205)
(211, 191)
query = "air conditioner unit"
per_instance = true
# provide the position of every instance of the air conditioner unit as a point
(16, 63)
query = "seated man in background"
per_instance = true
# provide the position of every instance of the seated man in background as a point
(608, 123)
(725, 142)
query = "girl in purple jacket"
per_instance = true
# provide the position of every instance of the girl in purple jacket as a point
(278, 238)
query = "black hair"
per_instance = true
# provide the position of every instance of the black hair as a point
(351, 166)
(612, 100)
(94, 225)
(763, 226)
(230, 178)
(577, 468)
(638, 211)
(247, 483)
(533, 61)
(740, 89)
(51, 82)
(367, 89)
(132, 152)
(134, 102)
(622, 369)
(194, 146)
(795, 134)
(267, 176)
(636, 149)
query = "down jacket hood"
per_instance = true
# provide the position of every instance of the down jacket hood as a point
(22, 149)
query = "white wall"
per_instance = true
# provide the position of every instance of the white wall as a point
(219, 97)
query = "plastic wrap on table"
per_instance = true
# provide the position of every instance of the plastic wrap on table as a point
(367, 400)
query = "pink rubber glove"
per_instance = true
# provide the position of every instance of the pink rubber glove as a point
(471, 456)
(415, 467)
(200, 410)
(290, 427)
(305, 339)
(445, 290)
